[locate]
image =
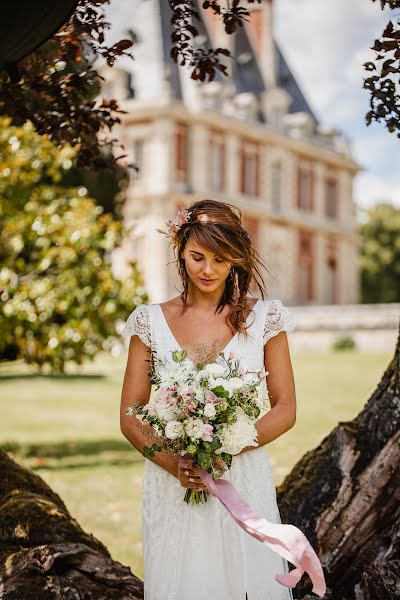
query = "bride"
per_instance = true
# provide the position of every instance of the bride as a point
(198, 552)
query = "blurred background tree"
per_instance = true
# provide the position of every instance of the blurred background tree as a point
(380, 254)
(59, 298)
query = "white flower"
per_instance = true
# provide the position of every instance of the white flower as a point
(235, 382)
(167, 413)
(234, 437)
(209, 410)
(250, 378)
(201, 375)
(194, 427)
(216, 370)
(219, 381)
(228, 384)
(174, 429)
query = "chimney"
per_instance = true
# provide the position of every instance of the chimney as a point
(260, 28)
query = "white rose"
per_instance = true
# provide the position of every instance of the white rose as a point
(174, 429)
(234, 437)
(194, 427)
(216, 370)
(209, 410)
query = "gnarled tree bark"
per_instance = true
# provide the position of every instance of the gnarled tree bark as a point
(345, 496)
(45, 554)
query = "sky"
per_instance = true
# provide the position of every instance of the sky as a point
(326, 44)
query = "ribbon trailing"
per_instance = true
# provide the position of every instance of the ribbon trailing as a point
(286, 540)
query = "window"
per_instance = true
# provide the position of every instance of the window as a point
(276, 187)
(216, 162)
(138, 159)
(252, 226)
(305, 272)
(250, 169)
(331, 291)
(305, 188)
(331, 198)
(181, 153)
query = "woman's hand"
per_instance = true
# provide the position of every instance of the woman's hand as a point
(187, 469)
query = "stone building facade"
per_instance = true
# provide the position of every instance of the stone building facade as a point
(250, 139)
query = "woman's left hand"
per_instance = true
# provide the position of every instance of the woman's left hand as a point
(188, 470)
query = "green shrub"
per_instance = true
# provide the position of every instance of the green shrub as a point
(59, 300)
(343, 342)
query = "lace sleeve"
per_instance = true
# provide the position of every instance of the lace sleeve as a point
(138, 323)
(277, 318)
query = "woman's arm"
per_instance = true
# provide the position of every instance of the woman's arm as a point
(137, 388)
(282, 393)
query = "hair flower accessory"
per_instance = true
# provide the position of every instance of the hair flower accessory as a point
(173, 225)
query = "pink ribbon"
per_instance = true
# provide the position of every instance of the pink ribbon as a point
(284, 539)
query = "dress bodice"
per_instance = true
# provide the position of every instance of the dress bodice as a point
(266, 319)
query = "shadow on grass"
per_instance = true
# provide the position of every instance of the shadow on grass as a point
(55, 377)
(69, 454)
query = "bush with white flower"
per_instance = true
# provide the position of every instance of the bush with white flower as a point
(207, 411)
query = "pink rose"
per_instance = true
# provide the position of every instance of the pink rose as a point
(231, 356)
(211, 397)
(166, 397)
(163, 395)
(206, 434)
(187, 393)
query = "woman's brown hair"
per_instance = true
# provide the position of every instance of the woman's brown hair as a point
(218, 227)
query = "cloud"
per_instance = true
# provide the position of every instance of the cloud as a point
(326, 44)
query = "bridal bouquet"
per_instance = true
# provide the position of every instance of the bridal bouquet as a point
(206, 411)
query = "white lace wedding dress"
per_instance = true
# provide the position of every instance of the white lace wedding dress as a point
(199, 552)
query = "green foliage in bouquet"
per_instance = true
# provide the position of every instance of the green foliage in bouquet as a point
(59, 300)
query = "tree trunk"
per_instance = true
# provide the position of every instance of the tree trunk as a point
(345, 496)
(45, 554)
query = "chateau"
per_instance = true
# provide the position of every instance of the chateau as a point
(251, 139)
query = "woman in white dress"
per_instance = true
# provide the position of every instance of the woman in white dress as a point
(199, 552)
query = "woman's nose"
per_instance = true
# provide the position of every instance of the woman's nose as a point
(208, 268)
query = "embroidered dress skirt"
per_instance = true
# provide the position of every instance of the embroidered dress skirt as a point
(198, 552)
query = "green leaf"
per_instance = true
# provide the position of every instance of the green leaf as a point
(220, 392)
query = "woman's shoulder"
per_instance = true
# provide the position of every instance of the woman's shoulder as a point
(277, 317)
(139, 323)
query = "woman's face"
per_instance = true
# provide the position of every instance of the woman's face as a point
(206, 270)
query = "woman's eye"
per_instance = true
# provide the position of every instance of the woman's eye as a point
(197, 259)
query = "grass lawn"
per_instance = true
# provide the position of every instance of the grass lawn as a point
(67, 428)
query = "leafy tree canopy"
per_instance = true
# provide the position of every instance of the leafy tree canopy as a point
(380, 254)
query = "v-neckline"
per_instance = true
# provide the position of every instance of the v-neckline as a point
(223, 350)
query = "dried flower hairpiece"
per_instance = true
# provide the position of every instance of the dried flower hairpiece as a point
(174, 225)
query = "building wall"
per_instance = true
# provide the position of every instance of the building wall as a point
(312, 256)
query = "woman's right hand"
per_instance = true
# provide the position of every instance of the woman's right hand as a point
(187, 469)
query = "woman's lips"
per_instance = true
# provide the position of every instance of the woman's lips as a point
(207, 280)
